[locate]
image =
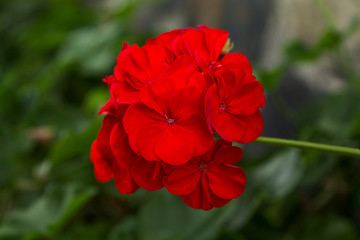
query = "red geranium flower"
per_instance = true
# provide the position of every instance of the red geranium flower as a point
(210, 180)
(232, 106)
(142, 66)
(167, 98)
(166, 39)
(135, 68)
(230, 61)
(168, 123)
(113, 157)
(205, 44)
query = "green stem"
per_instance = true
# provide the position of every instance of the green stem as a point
(354, 152)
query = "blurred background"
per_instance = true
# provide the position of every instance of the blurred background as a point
(53, 56)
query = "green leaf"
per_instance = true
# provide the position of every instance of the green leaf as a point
(165, 216)
(48, 214)
(95, 99)
(328, 227)
(246, 204)
(280, 174)
(72, 145)
(269, 78)
(125, 230)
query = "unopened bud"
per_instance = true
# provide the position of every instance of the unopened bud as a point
(227, 47)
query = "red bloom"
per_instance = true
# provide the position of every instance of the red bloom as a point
(106, 166)
(166, 39)
(168, 123)
(232, 61)
(210, 180)
(135, 68)
(142, 66)
(205, 45)
(167, 98)
(232, 106)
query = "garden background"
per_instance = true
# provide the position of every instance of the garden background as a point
(53, 56)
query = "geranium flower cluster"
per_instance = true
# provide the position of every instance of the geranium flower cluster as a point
(167, 99)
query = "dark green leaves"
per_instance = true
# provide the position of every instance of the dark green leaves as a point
(49, 214)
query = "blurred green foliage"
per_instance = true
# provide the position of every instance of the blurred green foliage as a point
(53, 56)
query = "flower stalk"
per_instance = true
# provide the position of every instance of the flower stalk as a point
(347, 151)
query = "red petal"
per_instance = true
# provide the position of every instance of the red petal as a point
(123, 181)
(182, 180)
(103, 138)
(202, 27)
(174, 147)
(108, 108)
(175, 95)
(217, 146)
(192, 43)
(140, 66)
(218, 202)
(184, 64)
(157, 58)
(215, 41)
(202, 198)
(240, 91)
(113, 108)
(228, 83)
(125, 50)
(211, 105)
(119, 143)
(133, 144)
(166, 39)
(229, 154)
(124, 93)
(148, 175)
(235, 60)
(233, 91)
(123, 57)
(201, 83)
(144, 126)
(226, 181)
(124, 46)
(178, 99)
(138, 117)
(109, 79)
(102, 169)
(243, 129)
(195, 128)
(147, 140)
(248, 99)
(155, 94)
(101, 154)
